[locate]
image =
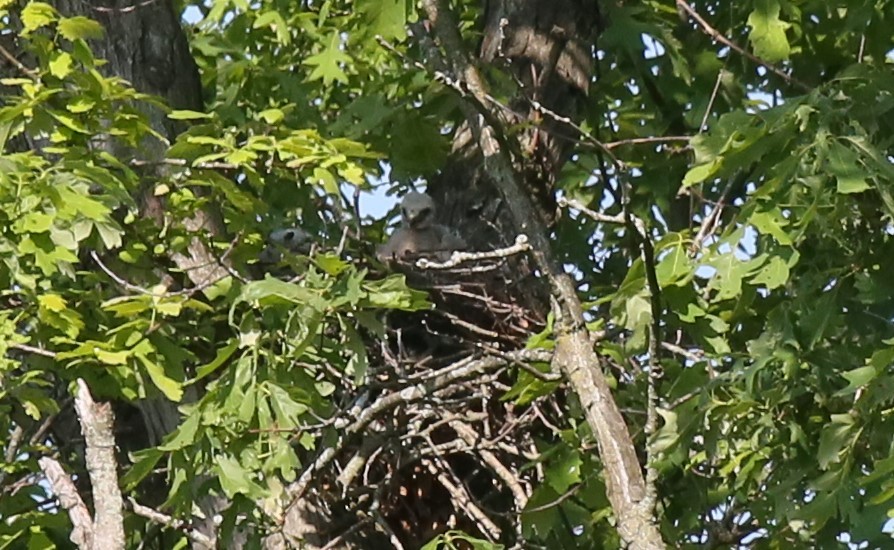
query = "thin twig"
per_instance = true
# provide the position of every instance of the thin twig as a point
(171, 522)
(715, 34)
(709, 224)
(616, 219)
(460, 496)
(701, 127)
(692, 356)
(18, 64)
(645, 140)
(34, 350)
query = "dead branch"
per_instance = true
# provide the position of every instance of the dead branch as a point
(97, 420)
(173, 523)
(70, 500)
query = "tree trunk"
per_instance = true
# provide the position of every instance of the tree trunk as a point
(505, 183)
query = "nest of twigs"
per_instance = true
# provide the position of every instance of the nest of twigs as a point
(436, 446)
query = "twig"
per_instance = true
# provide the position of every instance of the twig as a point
(701, 127)
(673, 348)
(34, 350)
(709, 224)
(651, 425)
(118, 279)
(715, 34)
(646, 140)
(461, 498)
(588, 137)
(171, 522)
(458, 257)
(337, 541)
(12, 450)
(564, 496)
(18, 64)
(468, 434)
(564, 201)
(354, 421)
(136, 163)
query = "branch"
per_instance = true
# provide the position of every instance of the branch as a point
(458, 257)
(461, 498)
(173, 523)
(34, 350)
(715, 34)
(97, 420)
(647, 252)
(18, 64)
(617, 219)
(70, 500)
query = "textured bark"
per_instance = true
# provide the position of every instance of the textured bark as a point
(97, 420)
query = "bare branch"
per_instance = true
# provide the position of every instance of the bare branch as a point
(97, 420)
(458, 257)
(34, 350)
(616, 219)
(70, 500)
(31, 73)
(173, 523)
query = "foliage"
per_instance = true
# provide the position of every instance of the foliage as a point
(778, 374)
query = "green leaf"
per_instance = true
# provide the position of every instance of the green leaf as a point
(674, 268)
(271, 116)
(36, 15)
(60, 65)
(844, 164)
(172, 389)
(223, 355)
(112, 357)
(328, 64)
(768, 31)
(185, 114)
(257, 291)
(563, 470)
(144, 463)
(857, 378)
(700, 173)
(79, 27)
(773, 274)
(385, 18)
(274, 20)
(835, 436)
(183, 436)
(358, 362)
(771, 222)
(234, 479)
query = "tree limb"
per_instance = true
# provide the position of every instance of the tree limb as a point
(70, 500)
(96, 425)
